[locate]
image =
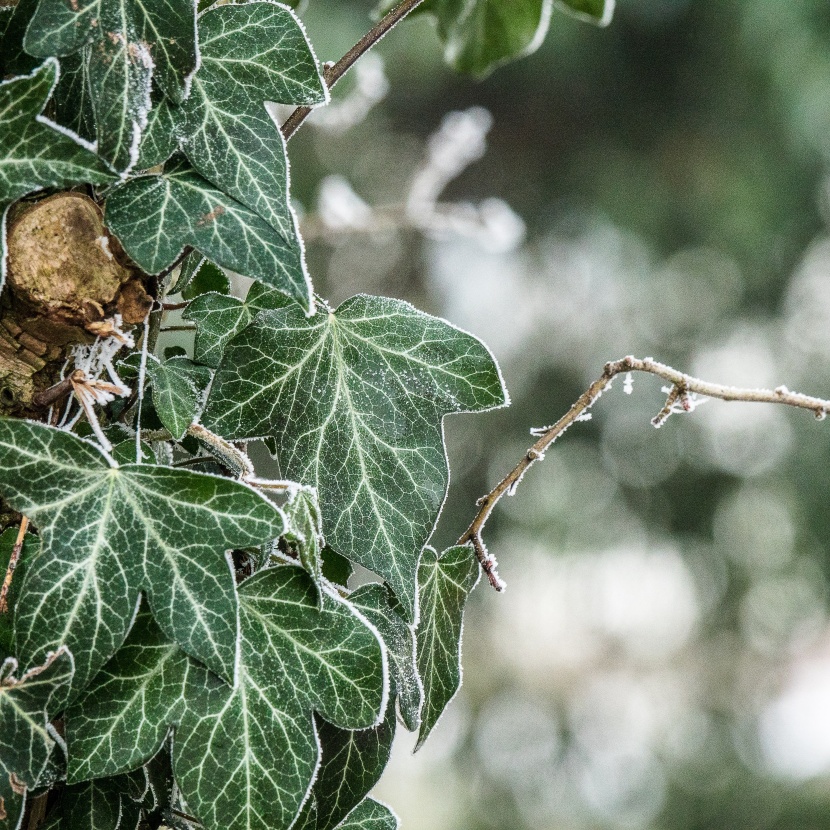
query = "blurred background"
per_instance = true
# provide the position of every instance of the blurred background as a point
(661, 658)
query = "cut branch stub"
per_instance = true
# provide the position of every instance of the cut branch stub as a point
(66, 276)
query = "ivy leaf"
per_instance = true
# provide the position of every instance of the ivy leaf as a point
(27, 739)
(219, 319)
(179, 387)
(599, 12)
(109, 532)
(305, 534)
(13, 59)
(251, 53)
(73, 102)
(244, 757)
(355, 400)
(336, 568)
(33, 153)
(129, 43)
(481, 34)
(102, 804)
(444, 583)
(207, 278)
(352, 763)
(191, 265)
(156, 216)
(139, 692)
(373, 601)
(370, 815)
(158, 139)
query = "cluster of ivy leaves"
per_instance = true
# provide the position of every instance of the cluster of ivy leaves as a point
(179, 646)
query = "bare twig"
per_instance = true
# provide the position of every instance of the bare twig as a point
(13, 560)
(333, 73)
(680, 399)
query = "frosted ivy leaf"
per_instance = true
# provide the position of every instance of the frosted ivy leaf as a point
(244, 757)
(370, 815)
(155, 216)
(352, 763)
(304, 533)
(109, 532)
(355, 401)
(373, 601)
(444, 583)
(73, 102)
(179, 386)
(34, 154)
(103, 804)
(220, 318)
(158, 139)
(26, 738)
(251, 53)
(130, 43)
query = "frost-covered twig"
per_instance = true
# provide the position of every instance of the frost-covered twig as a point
(13, 560)
(333, 73)
(681, 398)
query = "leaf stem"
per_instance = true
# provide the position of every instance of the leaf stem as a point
(682, 386)
(334, 72)
(13, 560)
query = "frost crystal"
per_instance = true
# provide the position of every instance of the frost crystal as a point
(628, 383)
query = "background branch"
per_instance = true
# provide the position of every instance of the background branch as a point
(680, 399)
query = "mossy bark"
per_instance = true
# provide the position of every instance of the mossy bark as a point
(66, 278)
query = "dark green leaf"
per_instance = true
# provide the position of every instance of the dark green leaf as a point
(139, 693)
(156, 216)
(129, 43)
(373, 602)
(592, 11)
(356, 399)
(481, 34)
(108, 532)
(444, 583)
(370, 815)
(187, 271)
(27, 739)
(158, 139)
(73, 102)
(13, 59)
(304, 532)
(92, 805)
(179, 387)
(219, 319)
(336, 568)
(208, 277)
(250, 53)
(243, 757)
(32, 154)
(352, 763)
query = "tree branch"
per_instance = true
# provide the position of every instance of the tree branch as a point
(333, 73)
(680, 399)
(13, 560)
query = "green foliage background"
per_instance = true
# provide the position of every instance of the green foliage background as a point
(667, 590)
